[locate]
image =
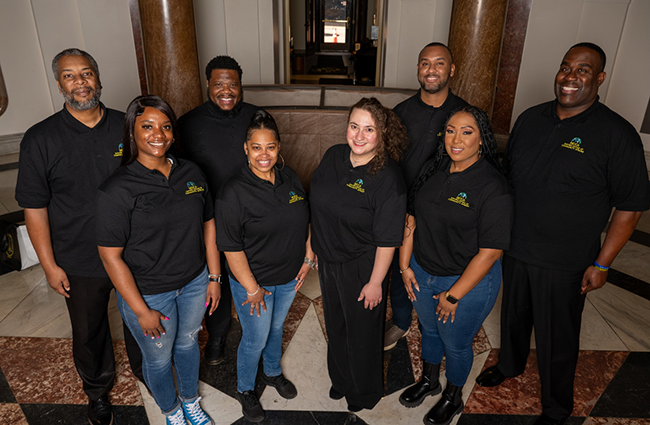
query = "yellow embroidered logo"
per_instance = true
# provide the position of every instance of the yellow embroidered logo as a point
(193, 188)
(357, 185)
(574, 144)
(461, 199)
(120, 151)
(294, 198)
(10, 246)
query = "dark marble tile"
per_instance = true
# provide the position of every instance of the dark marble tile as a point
(398, 369)
(616, 421)
(476, 419)
(306, 418)
(594, 373)
(629, 283)
(75, 414)
(11, 414)
(318, 306)
(294, 317)
(6, 395)
(628, 393)
(641, 237)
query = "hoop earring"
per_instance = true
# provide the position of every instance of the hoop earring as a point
(283, 163)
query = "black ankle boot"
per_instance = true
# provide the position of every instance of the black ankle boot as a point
(449, 406)
(428, 385)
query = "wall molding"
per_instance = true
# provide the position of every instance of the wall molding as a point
(10, 143)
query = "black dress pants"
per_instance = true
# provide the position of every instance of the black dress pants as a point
(355, 334)
(550, 301)
(92, 345)
(218, 324)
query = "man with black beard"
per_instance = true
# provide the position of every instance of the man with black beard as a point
(423, 115)
(63, 160)
(213, 136)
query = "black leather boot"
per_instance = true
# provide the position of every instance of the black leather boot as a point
(449, 406)
(428, 385)
(215, 350)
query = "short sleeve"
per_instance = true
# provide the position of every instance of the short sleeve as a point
(32, 187)
(112, 219)
(627, 182)
(495, 222)
(229, 221)
(389, 211)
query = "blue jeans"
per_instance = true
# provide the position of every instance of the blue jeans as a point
(261, 336)
(179, 345)
(453, 340)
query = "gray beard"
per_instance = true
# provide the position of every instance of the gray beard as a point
(83, 105)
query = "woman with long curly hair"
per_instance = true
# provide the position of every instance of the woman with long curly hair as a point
(356, 193)
(462, 206)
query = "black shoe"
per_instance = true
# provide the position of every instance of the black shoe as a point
(354, 409)
(447, 407)
(250, 406)
(284, 387)
(335, 395)
(491, 377)
(214, 350)
(428, 385)
(100, 411)
(545, 420)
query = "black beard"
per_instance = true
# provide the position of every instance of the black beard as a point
(227, 114)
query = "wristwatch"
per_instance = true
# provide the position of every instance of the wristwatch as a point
(451, 298)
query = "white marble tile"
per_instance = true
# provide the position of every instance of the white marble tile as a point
(627, 313)
(390, 412)
(15, 286)
(42, 313)
(634, 259)
(311, 287)
(492, 323)
(222, 408)
(305, 364)
(596, 333)
(114, 318)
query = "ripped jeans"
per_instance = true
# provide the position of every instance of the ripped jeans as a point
(185, 308)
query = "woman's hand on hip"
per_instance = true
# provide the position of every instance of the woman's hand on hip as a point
(371, 294)
(212, 296)
(445, 309)
(408, 277)
(256, 300)
(302, 274)
(150, 323)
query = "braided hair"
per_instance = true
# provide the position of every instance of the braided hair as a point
(489, 147)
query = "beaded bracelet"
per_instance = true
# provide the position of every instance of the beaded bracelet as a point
(600, 267)
(310, 263)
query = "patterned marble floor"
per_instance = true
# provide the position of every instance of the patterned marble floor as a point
(39, 384)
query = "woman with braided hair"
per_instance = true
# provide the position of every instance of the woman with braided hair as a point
(458, 224)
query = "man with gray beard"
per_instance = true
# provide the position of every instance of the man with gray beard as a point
(63, 160)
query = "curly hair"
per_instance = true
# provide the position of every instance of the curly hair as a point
(222, 62)
(392, 138)
(489, 147)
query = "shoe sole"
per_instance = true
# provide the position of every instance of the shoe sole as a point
(460, 409)
(292, 396)
(421, 399)
(215, 362)
(110, 423)
(390, 347)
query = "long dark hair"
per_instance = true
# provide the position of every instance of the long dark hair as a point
(489, 147)
(262, 120)
(392, 137)
(135, 109)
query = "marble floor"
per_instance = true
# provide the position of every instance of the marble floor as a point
(39, 384)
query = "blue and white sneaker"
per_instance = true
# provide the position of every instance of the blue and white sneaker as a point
(194, 414)
(176, 418)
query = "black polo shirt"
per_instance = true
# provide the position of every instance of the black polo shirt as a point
(352, 212)
(215, 142)
(269, 222)
(62, 163)
(458, 213)
(424, 125)
(567, 176)
(159, 223)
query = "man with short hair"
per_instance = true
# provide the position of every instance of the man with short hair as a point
(423, 115)
(63, 160)
(571, 161)
(213, 136)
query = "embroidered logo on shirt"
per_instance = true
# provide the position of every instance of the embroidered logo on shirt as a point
(358, 186)
(440, 134)
(574, 144)
(120, 151)
(294, 198)
(461, 199)
(193, 188)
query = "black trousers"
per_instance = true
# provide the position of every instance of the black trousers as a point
(550, 301)
(92, 345)
(218, 324)
(355, 334)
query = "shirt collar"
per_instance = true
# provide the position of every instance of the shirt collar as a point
(475, 167)
(251, 177)
(580, 118)
(430, 108)
(140, 170)
(103, 124)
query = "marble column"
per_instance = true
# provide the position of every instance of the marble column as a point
(475, 39)
(170, 52)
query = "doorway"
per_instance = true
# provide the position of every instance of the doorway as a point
(333, 41)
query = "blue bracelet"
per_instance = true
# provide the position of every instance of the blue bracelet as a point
(599, 267)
